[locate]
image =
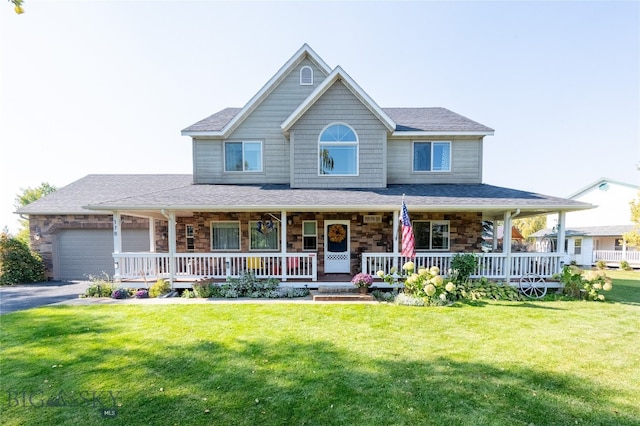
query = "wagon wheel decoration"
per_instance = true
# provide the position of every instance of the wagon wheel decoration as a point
(533, 286)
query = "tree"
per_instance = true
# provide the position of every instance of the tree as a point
(530, 225)
(28, 196)
(17, 6)
(18, 264)
(633, 237)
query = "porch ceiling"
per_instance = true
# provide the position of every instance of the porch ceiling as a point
(492, 201)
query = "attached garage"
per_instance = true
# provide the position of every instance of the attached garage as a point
(83, 252)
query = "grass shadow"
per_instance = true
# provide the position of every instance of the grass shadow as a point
(194, 374)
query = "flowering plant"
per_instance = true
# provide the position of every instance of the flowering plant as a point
(142, 293)
(427, 284)
(120, 293)
(389, 278)
(362, 280)
(586, 284)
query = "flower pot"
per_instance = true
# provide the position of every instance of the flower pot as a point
(363, 290)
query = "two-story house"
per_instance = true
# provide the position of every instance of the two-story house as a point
(305, 182)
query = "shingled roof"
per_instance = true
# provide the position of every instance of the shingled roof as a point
(406, 119)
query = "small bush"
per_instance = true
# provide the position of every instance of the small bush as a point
(101, 286)
(159, 288)
(463, 265)
(120, 293)
(141, 293)
(247, 285)
(624, 265)
(18, 264)
(601, 264)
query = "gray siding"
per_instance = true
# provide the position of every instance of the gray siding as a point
(466, 162)
(262, 124)
(338, 104)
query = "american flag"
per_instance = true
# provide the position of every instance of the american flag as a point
(408, 242)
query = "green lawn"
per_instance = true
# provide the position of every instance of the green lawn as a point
(488, 363)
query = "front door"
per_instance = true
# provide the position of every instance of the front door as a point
(337, 258)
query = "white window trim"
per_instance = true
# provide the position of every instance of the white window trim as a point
(252, 224)
(187, 237)
(224, 156)
(356, 144)
(315, 234)
(431, 223)
(413, 153)
(211, 235)
(302, 82)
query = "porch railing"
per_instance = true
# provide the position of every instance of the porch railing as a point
(616, 256)
(489, 265)
(192, 266)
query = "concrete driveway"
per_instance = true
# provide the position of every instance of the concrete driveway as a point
(27, 296)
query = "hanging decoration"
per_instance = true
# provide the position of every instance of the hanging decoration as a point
(265, 226)
(337, 233)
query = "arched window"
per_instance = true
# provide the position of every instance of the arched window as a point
(306, 76)
(338, 151)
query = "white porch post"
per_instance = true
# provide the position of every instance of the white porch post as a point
(506, 244)
(561, 234)
(152, 235)
(396, 243)
(172, 246)
(283, 244)
(117, 243)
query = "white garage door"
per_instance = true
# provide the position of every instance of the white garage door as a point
(83, 252)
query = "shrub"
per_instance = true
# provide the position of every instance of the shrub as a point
(247, 285)
(160, 287)
(601, 264)
(120, 293)
(463, 265)
(18, 264)
(485, 289)
(581, 284)
(206, 288)
(429, 285)
(624, 265)
(141, 293)
(101, 286)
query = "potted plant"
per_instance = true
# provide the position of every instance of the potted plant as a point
(362, 281)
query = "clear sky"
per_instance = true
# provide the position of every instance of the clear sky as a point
(107, 86)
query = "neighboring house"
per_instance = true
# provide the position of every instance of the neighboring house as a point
(596, 234)
(305, 182)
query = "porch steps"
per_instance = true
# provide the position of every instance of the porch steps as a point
(340, 294)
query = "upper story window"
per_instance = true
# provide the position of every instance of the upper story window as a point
(306, 76)
(338, 151)
(243, 156)
(431, 234)
(432, 156)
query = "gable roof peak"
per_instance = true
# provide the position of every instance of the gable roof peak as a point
(338, 74)
(305, 51)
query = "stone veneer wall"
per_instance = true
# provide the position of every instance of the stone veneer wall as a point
(46, 226)
(465, 232)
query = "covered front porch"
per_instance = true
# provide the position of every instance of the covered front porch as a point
(183, 269)
(307, 236)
